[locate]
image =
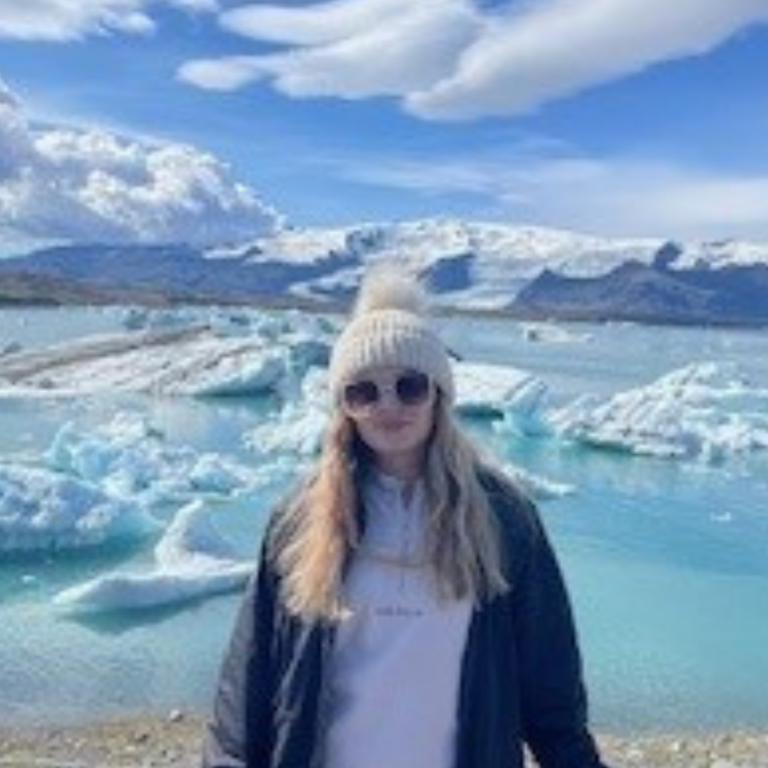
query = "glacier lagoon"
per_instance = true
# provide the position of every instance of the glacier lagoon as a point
(655, 492)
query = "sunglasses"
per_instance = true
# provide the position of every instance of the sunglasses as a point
(411, 389)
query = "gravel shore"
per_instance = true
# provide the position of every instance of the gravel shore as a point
(174, 742)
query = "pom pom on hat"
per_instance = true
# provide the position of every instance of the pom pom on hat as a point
(383, 287)
(390, 327)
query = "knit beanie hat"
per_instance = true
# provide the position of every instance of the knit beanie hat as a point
(390, 327)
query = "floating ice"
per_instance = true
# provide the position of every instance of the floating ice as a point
(193, 560)
(143, 318)
(522, 413)
(704, 410)
(186, 361)
(536, 486)
(298, 427)
(486, 389)
(236, 372)
(192, 540)
(221, 354)
(231, 321)
(41, 510)
(128, 458)
(10, 348)
(555, 334)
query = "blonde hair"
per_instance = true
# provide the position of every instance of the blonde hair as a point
(319, 528)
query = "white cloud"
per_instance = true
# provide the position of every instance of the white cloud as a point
(386, 48)
(316, 24)
(65, 20)
(15, 146)
(451, 60)
(89, 185)
(617, 196)
(560, 47)
(222, 74)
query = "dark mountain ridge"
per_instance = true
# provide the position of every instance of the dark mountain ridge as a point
(735, 295)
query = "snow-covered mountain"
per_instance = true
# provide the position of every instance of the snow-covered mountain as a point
(471, 265)
(476, 264)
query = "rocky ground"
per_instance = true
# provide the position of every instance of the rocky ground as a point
(174, 742)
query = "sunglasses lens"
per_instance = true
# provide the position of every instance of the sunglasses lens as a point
(412, 388)
(360, 394)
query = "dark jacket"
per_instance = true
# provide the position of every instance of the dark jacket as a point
(521, 679)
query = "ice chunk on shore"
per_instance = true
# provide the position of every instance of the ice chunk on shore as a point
(193, 561)
(128, 458)
(705, 410)
(42, 510)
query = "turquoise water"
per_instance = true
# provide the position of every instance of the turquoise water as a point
(667, 560)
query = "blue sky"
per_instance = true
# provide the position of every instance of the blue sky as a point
(215, 120)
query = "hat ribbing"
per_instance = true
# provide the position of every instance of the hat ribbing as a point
(389, 328)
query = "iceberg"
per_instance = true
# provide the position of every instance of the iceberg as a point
(214, 356)
(143, 318)
(128, 458)
(522, 414)
(42, 511)
(536, 486)
(485, 389)
(705, 410)
(186, 361)
(298, 427)
(553, 333)
(192, 561)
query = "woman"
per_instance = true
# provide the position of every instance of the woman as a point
(408, 611)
